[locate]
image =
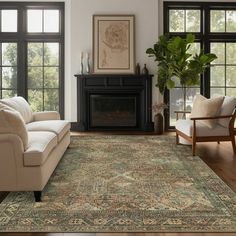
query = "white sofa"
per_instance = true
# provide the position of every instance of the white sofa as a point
(31, 145)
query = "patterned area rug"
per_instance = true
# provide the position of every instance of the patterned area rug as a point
(125, 184)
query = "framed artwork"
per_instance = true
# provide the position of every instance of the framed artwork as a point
(113, 44)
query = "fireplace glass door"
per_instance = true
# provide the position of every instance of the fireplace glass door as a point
(113, 110)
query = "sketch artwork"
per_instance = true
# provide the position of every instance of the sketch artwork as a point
(113, 44)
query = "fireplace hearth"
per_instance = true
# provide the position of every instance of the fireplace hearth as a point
(114, 102)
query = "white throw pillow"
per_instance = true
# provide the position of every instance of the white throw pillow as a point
(227, 108)
(20, 105)
(11, 122)
(203, 107)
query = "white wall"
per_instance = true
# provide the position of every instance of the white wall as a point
(146, 33)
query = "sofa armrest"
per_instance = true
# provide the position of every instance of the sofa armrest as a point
(46, 115)
(11, 161)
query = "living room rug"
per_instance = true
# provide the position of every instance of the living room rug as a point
(122, 183)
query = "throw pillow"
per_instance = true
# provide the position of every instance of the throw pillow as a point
(20, 105)
(203, 107)
(227, 108)
(12, 122)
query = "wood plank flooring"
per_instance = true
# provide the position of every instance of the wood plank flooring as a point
(219, 157)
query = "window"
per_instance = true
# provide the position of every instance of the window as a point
(31, 63)
(214, 27)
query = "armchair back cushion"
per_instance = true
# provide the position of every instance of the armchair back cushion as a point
(20, 105)
(203, 107)
(227, 108)
(12, 122)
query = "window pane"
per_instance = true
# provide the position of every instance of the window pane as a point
(176, 20)
(194, 48)
(9, 21)
(176, 101)
(35, 54)
(230, 75)
(230, 21)
(34, 21)
(192, 20)
(9, 54)
(218, 76)
(51, 21)
(8, 93)
(51, 100)
(35, 98)
(51, 77)
(231, 53)
(231, 92)
(51, 54)
(217, 92)
(217, 21)
(35, 77)
(9, 77)
(219, 50)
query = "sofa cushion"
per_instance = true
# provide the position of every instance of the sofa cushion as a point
(12, 122)
(59, 127)
(40, 145)
(203, 107)
(20, 105)
(186, 127)
(227, 108)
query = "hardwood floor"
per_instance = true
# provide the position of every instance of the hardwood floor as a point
(219, 157)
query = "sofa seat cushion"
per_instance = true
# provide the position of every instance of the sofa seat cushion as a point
(186, 126)
(40, 145)
(58, 127)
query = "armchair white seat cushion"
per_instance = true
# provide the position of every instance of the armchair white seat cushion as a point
(58, 127)
(200, 128)
(39, 147)
(186, 126)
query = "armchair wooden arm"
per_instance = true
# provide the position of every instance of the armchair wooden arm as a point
(210, 117)
(181, 112)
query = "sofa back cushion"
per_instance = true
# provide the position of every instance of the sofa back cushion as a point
(20, 105)
(11, 122)
(203, 107)
(227, 108)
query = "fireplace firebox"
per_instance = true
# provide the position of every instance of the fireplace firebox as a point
(109, 110)
(114, 102)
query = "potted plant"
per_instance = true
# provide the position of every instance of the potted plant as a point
(175, 62)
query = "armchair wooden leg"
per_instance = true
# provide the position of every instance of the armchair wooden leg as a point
(37, 196)
(218, 142)
(193, 148)
(233, 144)
(177, 139)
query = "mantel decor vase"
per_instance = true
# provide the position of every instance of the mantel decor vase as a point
(158, 123)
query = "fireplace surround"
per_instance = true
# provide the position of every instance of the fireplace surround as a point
(114, 102)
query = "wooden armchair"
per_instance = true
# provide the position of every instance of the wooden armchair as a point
(194, 130)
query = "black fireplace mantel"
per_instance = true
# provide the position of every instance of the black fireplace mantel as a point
(139, 86)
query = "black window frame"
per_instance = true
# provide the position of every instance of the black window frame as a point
(22, 37)
(205, 37)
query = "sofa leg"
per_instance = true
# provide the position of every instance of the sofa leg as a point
(37, 196)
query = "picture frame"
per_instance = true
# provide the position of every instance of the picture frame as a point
(113, 44)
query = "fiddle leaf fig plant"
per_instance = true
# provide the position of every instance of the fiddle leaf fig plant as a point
(175, 62)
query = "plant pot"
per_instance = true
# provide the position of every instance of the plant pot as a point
(158, 123)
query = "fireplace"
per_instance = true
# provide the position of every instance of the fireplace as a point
(114, 102)
(113, 110)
